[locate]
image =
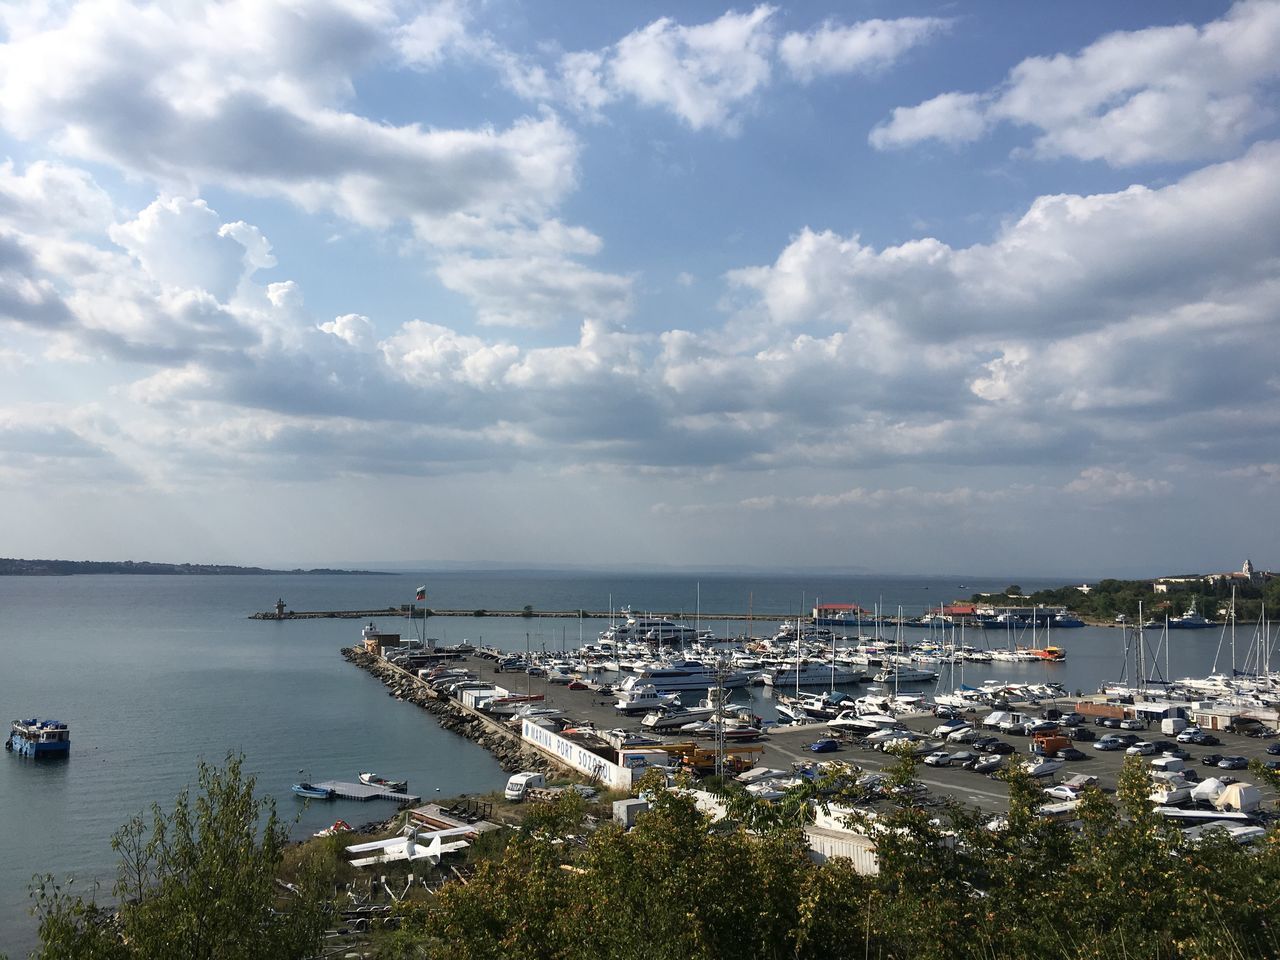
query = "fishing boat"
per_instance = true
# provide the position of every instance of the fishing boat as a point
(373, 780)
(39, 738)
(309, 791)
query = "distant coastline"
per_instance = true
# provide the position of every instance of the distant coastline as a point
(12, 567)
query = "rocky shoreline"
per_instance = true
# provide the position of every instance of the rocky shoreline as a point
(512, 754)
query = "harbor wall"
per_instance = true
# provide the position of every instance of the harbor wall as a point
(506, 746)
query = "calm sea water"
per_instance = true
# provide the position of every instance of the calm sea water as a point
(155, 673)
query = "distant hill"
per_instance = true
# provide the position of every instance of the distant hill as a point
(11, 567)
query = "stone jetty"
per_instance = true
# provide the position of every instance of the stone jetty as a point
(504, 744)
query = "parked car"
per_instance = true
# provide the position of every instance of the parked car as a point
(1111, 723)
(1062, 792)
(1072, 719)
(1070, 753)
(939, 758)
(577, 685)
(1042, 726)
(1176, 751)
(999, 747)
(1273, 749)
(1133, 724)
(1206, 740)
(1107, 744)
(1078, 733)
(1271, 764)
(1143, 748)
(1100, 721)
(1128, 739)
(1211, 759)
(1233, 763)
(982, 743)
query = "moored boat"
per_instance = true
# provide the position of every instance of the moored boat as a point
(39, 738)
(309, 791)
(373, 780)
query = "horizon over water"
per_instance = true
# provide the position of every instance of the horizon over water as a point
(154, 673)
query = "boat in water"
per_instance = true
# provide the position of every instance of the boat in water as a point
(395, 786)
(39, 738)
(309, 791)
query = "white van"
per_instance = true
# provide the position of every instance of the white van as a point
(1168, 764)
(522, 782)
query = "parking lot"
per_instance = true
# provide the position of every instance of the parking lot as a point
(787, 745)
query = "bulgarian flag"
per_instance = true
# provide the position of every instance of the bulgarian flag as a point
(421, 594)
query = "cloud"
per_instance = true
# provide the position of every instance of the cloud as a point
(703, 73)
(352, 328)
(203, 94)
(707, 75)
(535, 291)
(1101, 483)
(865, 47)
(1161, 94)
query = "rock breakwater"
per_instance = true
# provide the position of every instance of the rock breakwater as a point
(505, 745)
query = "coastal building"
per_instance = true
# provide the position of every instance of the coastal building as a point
(587, 753)
(375, 641)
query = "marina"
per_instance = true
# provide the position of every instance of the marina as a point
(173, 671)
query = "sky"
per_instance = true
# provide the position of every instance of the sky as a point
(901, 287)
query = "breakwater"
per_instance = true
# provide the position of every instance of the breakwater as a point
(512, 754)
(419, 612)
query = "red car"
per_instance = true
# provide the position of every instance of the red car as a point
(577, 685)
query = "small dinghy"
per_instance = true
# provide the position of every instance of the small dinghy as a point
(309, 791)
(395, 786)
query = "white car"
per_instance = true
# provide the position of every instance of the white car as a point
(1062, 792)
(1132, 724)
(1188, 735)
(939, 758)
(1141, 749)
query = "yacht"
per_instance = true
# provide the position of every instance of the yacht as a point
(635, 696)
(811, 673)
(39, 738)
(905, 674)
(648, 629)
(690, 675)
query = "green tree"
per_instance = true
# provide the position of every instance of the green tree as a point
(198, 882)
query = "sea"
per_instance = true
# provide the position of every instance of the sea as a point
(156, 673)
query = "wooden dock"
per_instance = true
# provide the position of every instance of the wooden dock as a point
(365, 791)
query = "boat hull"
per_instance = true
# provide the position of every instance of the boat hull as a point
(27, 748)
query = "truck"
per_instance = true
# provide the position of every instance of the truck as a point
(1048, 744)
(520, 783)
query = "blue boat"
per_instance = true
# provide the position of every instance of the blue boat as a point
(310, 791)
(39, 738)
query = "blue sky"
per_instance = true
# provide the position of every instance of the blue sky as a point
(903, 287)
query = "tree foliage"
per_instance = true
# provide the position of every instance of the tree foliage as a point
(198, 882)
(951, 884)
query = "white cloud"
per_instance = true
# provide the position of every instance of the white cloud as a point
(703, 74)
(535, 291)
(953, 118)
(1159, 94)
(182, 243)
(352, 328)
(864, 47)
(51, 197)
(1103, 483)
(428, 352)
(204, 94)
